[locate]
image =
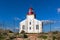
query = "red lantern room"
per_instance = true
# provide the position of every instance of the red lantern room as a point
(30, 11)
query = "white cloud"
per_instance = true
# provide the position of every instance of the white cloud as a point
(57, 28)
(16, 18)
(58, 10)
(17, 28)
(45, 22)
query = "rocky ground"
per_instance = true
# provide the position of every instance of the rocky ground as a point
(9, 35)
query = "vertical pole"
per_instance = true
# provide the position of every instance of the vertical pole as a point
(3, 25)
(14, 24)
(42, 27)
(50, 27)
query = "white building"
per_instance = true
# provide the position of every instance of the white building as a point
(30, 24)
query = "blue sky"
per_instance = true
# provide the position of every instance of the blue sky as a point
(44, 10)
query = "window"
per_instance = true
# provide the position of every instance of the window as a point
(30, 28)
(23, 27)
(30, 23)
(37, 26)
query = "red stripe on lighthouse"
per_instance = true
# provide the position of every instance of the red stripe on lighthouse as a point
(30, 11)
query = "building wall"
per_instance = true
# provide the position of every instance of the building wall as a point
(37, 22)
(33, 24)
(30, 25)
(21, 24)
(30, 21)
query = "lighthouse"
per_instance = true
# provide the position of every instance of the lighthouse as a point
(31, 24)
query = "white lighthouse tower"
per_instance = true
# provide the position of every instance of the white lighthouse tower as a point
(30, 24)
